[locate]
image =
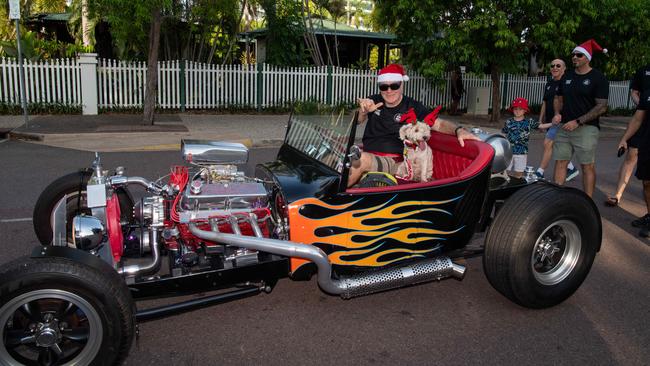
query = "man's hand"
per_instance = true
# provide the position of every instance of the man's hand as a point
(623, 144)
(557, 119)
(368, 105)
(571, 125)
(463, 135)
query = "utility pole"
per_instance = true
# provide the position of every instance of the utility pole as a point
(14, 14)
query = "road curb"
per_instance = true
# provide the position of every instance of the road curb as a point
(25, 136)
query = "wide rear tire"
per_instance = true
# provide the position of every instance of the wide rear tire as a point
(541, 245)
(73, 185)
(54, 311)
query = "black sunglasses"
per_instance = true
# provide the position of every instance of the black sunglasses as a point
(578, 55)
(394, 86)
(556, 66)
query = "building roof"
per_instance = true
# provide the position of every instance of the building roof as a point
(51, 17)
(329, 27)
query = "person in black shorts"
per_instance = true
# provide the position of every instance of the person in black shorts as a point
(640, 122)
(381, 143)
(640, 82)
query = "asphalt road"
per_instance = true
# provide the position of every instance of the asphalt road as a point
(447, 323)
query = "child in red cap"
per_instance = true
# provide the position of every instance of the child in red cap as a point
(517, 130)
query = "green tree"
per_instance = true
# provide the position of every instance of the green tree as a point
(139, 21)
(621, 27)
(286, 30)
(499, 36)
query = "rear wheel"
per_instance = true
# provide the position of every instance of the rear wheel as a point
(541, 245)
(72, 188)
(54, 311)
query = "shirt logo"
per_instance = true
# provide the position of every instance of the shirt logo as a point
(647, 73)
(548, 87)
(377, 112)
(586, 82)
(568, 82)
(398, 117)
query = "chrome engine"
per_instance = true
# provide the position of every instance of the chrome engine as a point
(217, 190)
(213, 194)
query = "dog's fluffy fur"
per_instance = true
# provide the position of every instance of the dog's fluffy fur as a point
(418, 158)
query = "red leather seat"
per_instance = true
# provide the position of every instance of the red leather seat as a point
(451, 162)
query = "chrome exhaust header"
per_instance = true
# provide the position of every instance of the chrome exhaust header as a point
(349, 286)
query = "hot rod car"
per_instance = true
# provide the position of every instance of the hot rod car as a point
(208, 228)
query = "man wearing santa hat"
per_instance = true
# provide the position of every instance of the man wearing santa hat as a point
(381, 143)
(581, 98)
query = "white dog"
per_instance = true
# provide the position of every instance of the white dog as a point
(418, 158)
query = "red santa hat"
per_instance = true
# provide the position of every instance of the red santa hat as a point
(392, 72)
(588, 48)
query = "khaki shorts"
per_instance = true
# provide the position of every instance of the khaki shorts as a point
(384, 164)
(582, 141)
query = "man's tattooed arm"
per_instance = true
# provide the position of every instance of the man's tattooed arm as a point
(598, 110)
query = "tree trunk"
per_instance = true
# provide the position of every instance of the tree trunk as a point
(151, 90)
(496, 93)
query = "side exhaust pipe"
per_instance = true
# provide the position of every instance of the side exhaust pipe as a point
(350, 286)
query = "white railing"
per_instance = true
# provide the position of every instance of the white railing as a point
(53, 81)
(191, 85)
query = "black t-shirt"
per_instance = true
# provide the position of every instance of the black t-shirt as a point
(641, 79)
(382, 128)
(550, 89)
(580, 93)
(644, 130)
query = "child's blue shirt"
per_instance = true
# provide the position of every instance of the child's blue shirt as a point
(518, 133)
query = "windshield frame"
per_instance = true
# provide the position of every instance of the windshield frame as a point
(324, 138)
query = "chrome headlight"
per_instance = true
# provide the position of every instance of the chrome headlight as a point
(89, 232)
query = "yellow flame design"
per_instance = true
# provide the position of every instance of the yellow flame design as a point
(388, 224)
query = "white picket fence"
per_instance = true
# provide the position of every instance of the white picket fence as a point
(191, 85)
(54, 81)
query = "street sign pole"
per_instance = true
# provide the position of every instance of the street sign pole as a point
(21, 73)
(14, 13)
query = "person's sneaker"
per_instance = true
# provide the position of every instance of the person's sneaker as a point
(539, 175)
(571, 173)
(643, 221)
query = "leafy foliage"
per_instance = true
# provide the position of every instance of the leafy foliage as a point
(499, 36)
(35, 48)
(285, 37)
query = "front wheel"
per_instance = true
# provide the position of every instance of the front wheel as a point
(54, 311)
(72, 188)
(541, 245)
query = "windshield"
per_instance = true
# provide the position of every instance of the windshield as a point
(323, 137)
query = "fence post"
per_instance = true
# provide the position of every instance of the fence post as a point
(181, 79)
(329, 96)
(260, 80)
(504, 94)
(88, 65)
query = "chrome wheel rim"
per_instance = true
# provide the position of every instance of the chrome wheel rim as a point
(556, 252)
(49, 327)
